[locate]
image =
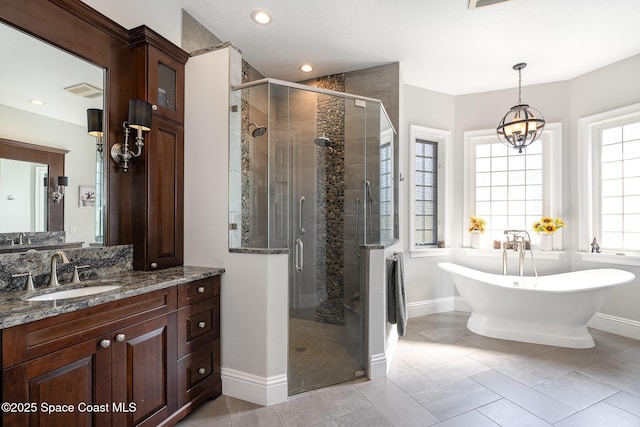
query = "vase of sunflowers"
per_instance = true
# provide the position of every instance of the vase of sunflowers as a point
(476, 228)
(546, 228)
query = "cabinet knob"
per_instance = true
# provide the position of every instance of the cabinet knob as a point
(201, 289)
(201, 325)
(202, 371)
(154, 265)
(105, 343)
(120, 337)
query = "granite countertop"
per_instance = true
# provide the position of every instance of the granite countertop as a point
(14, 310)
(23, 247)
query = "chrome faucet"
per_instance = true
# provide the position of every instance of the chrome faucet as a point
(53, 281)
(516, 240)
(20, 236)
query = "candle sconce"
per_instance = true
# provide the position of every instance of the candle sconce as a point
(139, 119)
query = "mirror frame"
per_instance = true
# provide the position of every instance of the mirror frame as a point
(107, 45)
(54, 158)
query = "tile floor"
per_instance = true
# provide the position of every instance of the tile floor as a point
(444, 375)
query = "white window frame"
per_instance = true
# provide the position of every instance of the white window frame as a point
(445, 196)
(387, 137)
(589, 181)
(551, 175)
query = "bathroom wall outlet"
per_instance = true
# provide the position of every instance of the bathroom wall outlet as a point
(72, 229)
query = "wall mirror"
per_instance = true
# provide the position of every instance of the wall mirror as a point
(45, 93)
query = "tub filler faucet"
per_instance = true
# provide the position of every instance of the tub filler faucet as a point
(517, 241)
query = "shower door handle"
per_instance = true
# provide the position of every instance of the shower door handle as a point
(299, 255)
(300, 202)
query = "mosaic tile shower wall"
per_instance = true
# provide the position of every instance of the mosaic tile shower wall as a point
(330, 187)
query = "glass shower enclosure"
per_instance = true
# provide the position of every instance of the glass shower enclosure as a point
(312, 173)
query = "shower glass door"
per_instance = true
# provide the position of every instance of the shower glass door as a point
(326, 324)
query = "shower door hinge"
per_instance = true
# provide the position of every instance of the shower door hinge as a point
(361, 103)
(359, 374)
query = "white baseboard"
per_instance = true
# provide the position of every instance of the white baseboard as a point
(378, 366)
(615, 325)
(461, 305)
(252, 388)
(604, 322)
(423, 308)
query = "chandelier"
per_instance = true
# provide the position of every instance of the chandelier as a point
(522, 124)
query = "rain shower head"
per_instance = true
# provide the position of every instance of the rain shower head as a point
(322, 141)
(258, 131)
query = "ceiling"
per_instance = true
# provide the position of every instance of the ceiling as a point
(441, 44)
(38, 70)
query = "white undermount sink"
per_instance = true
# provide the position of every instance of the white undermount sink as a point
(73, 293)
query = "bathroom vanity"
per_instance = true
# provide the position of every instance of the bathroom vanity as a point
(145, 354)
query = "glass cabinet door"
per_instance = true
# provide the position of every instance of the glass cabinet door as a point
(166, 85)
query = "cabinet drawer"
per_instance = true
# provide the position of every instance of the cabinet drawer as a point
(198, 372)
(44, 336)
(192, 292)
(198, 325)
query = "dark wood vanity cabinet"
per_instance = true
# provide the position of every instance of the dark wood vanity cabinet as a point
(198, 342)
(146, 360)
(158, 204)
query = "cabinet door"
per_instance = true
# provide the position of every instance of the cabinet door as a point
(166, 85)
(144, 372)
(78, 377)
(165, 185)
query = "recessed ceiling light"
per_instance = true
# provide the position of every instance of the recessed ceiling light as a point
(260, 17)
(36, 101)
(306, 68)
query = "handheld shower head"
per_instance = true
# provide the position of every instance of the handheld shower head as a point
(258, 131)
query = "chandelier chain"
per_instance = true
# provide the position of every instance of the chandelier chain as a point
(519, 86)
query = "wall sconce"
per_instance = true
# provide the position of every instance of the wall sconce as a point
(140, 119)
(63, 183)
(94, 126)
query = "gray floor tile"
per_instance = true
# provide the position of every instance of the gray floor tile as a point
(599, 415)
(395, 404)
(365, 418)
(212, 410)
(507, 414)
(627, 401)
(576, 390)
(533, 401)
(446, 372)
(469, 419)
(455, 398)
(243, 413)
(609, 374)
(511, 384)
(322, 406)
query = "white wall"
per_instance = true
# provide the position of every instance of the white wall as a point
(605, 89)
(79, 162)
(424, 282)
(254, 295)
(162, 16)
(608, 88)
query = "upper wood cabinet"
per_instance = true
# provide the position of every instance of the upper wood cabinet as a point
(158, 201)
(166, 85)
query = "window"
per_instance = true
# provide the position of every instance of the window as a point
(426, 193)
(430, 179)
(386, 183)
(611, 168)
(512, 190)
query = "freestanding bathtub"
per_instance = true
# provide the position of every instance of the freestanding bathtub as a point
(552, 310)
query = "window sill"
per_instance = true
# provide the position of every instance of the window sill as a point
(495, 253)
(430, 252)
(611, 258)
